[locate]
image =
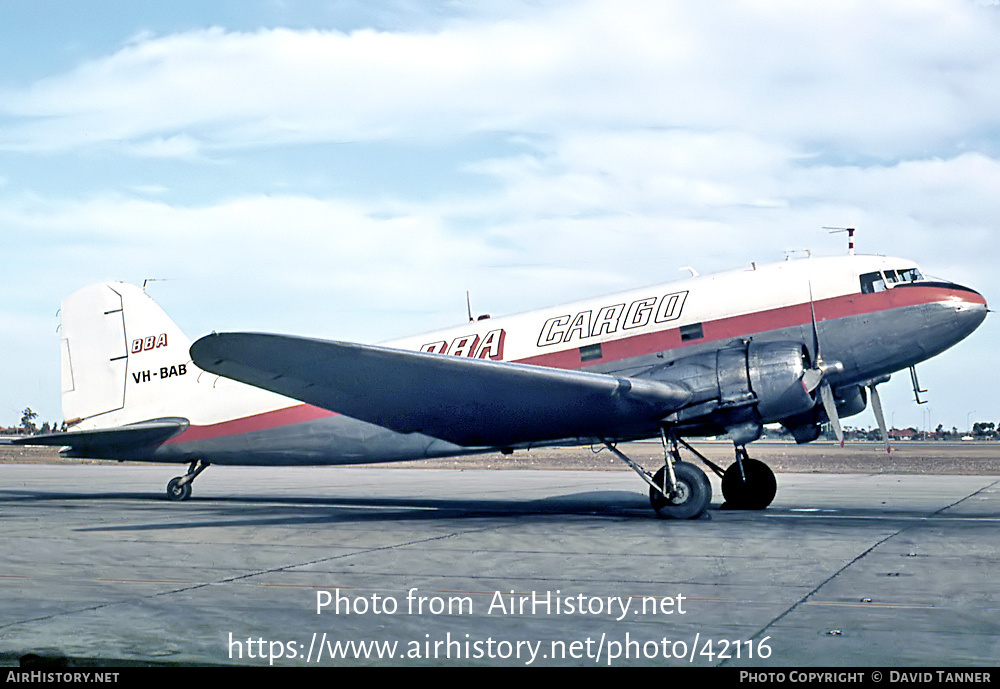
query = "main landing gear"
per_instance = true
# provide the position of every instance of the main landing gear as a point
(680, 490)
(748, 483)
(179, 488)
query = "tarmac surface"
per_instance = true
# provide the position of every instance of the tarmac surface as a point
(849, 569)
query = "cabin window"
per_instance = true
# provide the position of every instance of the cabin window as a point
(590, 352)
(691, 332)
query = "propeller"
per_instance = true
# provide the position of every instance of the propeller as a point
(815, 377)
(879, 416)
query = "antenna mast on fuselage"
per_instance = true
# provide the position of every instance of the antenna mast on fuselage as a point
(850, 237)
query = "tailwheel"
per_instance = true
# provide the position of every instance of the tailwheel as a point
(178, 491)
(179, 487)
(751, 488)
(691, 494)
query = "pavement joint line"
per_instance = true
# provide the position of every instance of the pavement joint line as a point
(805, 599)
(229, 580)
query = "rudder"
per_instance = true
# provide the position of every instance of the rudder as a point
(123, 359)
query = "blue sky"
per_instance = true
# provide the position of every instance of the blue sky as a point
(350, 169)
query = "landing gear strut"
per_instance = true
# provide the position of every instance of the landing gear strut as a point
(179, 488)
(679, 490)
(748, 483)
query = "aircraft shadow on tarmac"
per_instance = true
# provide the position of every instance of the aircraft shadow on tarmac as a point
(259, 510)
(244, 510)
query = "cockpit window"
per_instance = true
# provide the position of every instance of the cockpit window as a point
(881, 281)
(872, 282)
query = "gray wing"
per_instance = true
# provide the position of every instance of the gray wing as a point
(470, 402)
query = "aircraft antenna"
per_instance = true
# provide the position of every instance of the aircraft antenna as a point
(468, 304)
(850, 237)
(149, 280)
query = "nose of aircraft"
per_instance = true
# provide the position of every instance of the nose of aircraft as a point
(953, 314)
(970, 306)
(969, 311)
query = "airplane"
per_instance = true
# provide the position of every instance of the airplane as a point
(795, 342)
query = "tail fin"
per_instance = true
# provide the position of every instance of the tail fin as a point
(123, 359)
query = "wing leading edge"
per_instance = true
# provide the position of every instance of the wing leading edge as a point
(470, 402)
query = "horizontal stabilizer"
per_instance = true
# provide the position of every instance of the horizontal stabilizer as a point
(470, 402)
(113, 441)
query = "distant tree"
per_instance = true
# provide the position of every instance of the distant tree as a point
(981, 428)
(28, 420)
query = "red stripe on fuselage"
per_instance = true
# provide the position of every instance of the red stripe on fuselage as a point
(733, 327)
(300, 413)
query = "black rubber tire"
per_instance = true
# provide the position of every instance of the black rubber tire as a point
(694, 493)
(178, 492)
(756, 492)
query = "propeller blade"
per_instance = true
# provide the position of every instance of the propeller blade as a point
(880, 417)
(811, 378)
(812, 310)
(830, 407)
(815, 376)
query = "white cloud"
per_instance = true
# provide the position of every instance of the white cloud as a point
(646, 136)
(889, 77)
(181, 147)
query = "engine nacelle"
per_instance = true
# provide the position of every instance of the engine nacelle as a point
(850, 401)
(806, 427)
(739, 388)
(776, 370)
